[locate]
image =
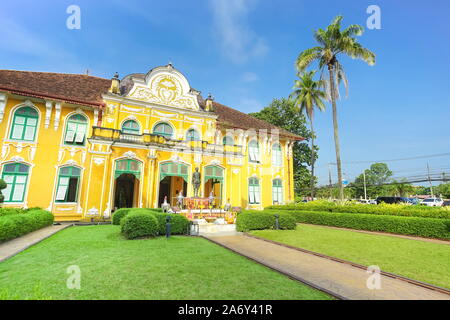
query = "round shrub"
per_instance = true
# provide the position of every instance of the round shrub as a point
(139, 224)
(179, 223)
(119, 214)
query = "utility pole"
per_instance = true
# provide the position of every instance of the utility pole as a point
(444, 178)
(429, 180)
(365, 188)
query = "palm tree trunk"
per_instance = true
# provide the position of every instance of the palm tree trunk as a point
(336, 132)
(312, 158)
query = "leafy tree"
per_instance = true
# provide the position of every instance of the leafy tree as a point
(443, 189)
(282, 113)
(402, 189)
(307, 96)
(334, 42)
(376, 176)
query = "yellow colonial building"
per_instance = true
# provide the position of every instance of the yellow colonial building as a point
(82, 146)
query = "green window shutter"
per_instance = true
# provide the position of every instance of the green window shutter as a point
(254, 196)
(16, 178)
(276, 155)
(76, 130)
(163, 129)
(128, 166)
(192, 135)
(131, 127)
(24, 125)
(172, 169)
(68, 183)
(277, 191)
(228, 141)
(253, 151)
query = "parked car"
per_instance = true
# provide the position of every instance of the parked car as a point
(413, 201)
(446, 203)
(367, 201)
(392, 200)
(432, 202)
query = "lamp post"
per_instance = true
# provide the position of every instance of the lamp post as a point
(168, 226)
(277, 225)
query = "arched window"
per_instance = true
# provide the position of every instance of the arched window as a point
(16, 178)
(254, 195)
(277, 191)
(277, 159)
(163, 129)
(24, 124)
(192, 135)
(253, 151)
(68, 182)
(76, 130)
(228, 141)
(130, 126)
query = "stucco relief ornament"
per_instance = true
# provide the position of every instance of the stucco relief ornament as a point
(17, 159)
(175, 158)
(130, 154)
(71, 162)
(99, 161)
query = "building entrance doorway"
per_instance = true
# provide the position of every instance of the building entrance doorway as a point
(126, 185)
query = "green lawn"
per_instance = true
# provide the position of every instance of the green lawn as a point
(419, 260)
(115, 268)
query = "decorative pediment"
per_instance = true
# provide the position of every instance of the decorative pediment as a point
(165, 86)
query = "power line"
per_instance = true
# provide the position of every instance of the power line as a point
(398, 159)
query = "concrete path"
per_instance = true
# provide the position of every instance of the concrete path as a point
(341, 279)
(12, 247)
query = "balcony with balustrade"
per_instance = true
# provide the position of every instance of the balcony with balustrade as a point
(149, 139)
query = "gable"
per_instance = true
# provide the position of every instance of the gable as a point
(165, 86)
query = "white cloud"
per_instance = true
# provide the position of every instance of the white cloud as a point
(249, 77)
(238, 41)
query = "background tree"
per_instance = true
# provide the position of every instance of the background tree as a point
(307, 96)
(282, 113)
(376, 176)
(334, 42)
(402, 188)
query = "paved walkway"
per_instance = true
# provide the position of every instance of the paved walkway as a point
(341, 279)
(14, 246)
(447, 242)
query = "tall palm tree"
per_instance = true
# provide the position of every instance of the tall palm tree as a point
(307, 96)
(334, 42)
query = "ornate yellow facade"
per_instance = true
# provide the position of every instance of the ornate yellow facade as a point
(140, 141)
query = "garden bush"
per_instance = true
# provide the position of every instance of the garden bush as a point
(179, 223)
(16, 225)
(9, 211)
(382, 209)
(261, 220)
(119, 214)
(138, 224)
(416, 226)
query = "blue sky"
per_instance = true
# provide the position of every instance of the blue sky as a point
(243, 52)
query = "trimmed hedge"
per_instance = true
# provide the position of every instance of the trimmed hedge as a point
(119, 214)
(261, 220)
(10, 211)
(179, 223)
(138, 224)
(423, 227)
(382, 209)
(16, 225)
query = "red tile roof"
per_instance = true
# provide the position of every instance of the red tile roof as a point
(71, 88)
(88, 90)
